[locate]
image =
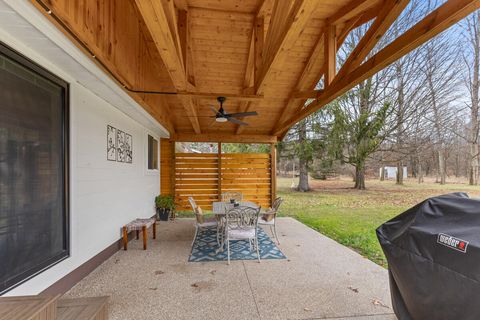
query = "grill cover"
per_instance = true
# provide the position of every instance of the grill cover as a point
(433, 253)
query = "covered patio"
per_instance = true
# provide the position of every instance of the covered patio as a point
(151, 72)
(320, 279)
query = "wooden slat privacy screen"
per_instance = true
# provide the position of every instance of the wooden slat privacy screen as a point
(205, 176)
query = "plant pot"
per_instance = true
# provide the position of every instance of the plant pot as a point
(163, 214)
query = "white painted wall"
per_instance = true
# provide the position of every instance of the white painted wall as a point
(104, 195)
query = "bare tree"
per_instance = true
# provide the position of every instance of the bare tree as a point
(441, 71)
(472, 62)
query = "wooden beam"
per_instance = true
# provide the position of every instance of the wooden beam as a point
(330, 54)
(304, 82)
(157, 23)
(214, 95)
(254, 64)
(258, 34)
(161, 21)
(388, 14)
(183, 35)
(286, 25)
(223, 137)
(352, 9)
(434, 23)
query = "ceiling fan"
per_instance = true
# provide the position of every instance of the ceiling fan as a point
(222, 116)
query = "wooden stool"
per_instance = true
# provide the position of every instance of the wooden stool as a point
(137, 225)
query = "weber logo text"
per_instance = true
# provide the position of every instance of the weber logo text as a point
(452, 242)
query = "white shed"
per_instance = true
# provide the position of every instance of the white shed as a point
(391, 172)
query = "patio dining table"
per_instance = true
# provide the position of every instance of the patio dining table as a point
(219, 208)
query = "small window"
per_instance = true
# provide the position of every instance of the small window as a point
(152, 153)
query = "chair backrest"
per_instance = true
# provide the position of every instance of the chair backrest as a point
(276, 204)
(226, 196)
(242, 217)
(193, 204)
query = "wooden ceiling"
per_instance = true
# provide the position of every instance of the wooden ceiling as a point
(263, 55)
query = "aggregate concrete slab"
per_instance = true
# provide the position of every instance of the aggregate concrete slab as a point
(320, 279)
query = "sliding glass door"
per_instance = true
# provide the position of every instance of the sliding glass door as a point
(33, 169)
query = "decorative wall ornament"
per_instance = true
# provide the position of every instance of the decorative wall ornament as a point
(111, 143)
(128, 148)
(120, 146)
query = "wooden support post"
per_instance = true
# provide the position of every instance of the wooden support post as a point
(219, 162)
(173, 215)
(273, 172)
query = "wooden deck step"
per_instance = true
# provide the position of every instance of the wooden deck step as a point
(28, 307)
(82, 309)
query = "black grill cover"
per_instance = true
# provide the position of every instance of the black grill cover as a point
(433, 253)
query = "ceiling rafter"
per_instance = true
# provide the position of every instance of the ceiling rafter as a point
(254, 61)
(386, 17)
(434, 23)
(306, 90)
(287, 23)
(160, 19)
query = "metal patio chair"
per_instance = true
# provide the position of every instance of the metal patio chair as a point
(269, 217)
(241, 223)
(200, 221)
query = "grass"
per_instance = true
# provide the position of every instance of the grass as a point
(349, 216)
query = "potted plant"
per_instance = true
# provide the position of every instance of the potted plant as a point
(165, 204)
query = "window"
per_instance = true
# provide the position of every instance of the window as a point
(33, 169)
(152, 153)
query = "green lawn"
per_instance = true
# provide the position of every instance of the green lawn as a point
(350, 216)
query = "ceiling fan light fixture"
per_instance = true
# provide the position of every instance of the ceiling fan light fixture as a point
(221, 119)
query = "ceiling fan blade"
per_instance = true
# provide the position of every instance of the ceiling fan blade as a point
(214, 110)
(233, 120)
(242, 114)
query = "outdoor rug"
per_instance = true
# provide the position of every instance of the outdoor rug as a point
(205, 245)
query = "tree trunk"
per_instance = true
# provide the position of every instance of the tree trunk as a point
(382, 173)
(303, 165)
(360, 177)
(400, 172)
(474, 95)
(400, 120)
(420, 173)
(441, 166)
(473, 164)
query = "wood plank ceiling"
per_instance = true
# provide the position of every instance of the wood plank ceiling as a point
(263, 55)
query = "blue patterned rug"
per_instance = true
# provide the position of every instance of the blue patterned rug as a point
(205, 245)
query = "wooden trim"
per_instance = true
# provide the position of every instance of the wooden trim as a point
(437, 21)
(220, 137)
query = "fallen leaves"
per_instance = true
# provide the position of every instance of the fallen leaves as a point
(378, 302)
(353, 289)
(159, 272)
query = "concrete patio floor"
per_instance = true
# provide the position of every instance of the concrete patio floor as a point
(320, 279)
